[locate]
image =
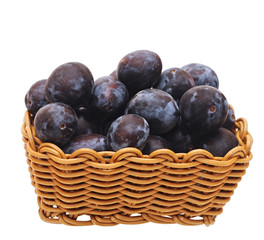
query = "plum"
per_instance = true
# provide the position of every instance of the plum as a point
(109, 96)
(202, 75)
(55, 123)
(139, 70)
(203, 109)
(176, 82)
(219, 142)
(35, 98)
(128, 130)
(157, 107)
(230, 120)
(154, 143)
(96, 142)
(71, 83)
(181, 139)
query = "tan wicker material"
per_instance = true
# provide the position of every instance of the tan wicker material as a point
(127, 187)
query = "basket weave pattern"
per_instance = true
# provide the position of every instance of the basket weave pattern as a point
(127, 187)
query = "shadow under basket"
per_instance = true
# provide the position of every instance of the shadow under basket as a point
(127, 187)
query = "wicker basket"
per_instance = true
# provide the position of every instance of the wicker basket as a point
(127, 187)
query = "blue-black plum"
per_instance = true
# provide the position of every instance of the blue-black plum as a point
(176, 82)
(139, 70)
(128, 131)
(35, 98)
(71, 83)
(55, 123)
(109, 96)
(114, 75)
(157, 107)
(203, 109)
(181, 139)
(154, 143)
(219, 142)
(202, 75)
(94, 141)
(230, 120)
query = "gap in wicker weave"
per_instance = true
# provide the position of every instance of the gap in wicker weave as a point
(54, 217)
(197, 218)
(129, 210)
(84, 218)
(135, 215)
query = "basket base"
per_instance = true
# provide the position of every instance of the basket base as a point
(112, 220)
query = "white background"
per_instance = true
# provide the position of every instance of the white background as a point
(38, 36)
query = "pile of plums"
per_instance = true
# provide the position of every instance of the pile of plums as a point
(137, 105)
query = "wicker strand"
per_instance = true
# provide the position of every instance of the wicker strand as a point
(127, 187)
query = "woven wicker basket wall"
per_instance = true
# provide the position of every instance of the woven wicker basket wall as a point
(128, 187)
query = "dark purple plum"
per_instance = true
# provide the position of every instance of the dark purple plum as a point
(176, 82)
(55, 123)
(35, 98)
(180, 139)
(202, 75)
(203, 109)
(95, 142)
(219, 142)
(114, 75)
(71, 83)
(157, 107)
(230, 120)
(109, 96)
(128, 131)
(154, 143)
(139, 70)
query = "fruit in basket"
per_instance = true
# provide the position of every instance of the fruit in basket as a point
(139, 70)
(177, 107)
(55, 123)
(176, 82)
(219, 142)
(202, 75)
(181, 138)
(157, 107)
(71, 83)
(154, 143)
(85, 126)
(114, 75)
(109, 96)
(128, 130)
(35, 98)
(230, 120)
(203, 109)
(96, 142)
